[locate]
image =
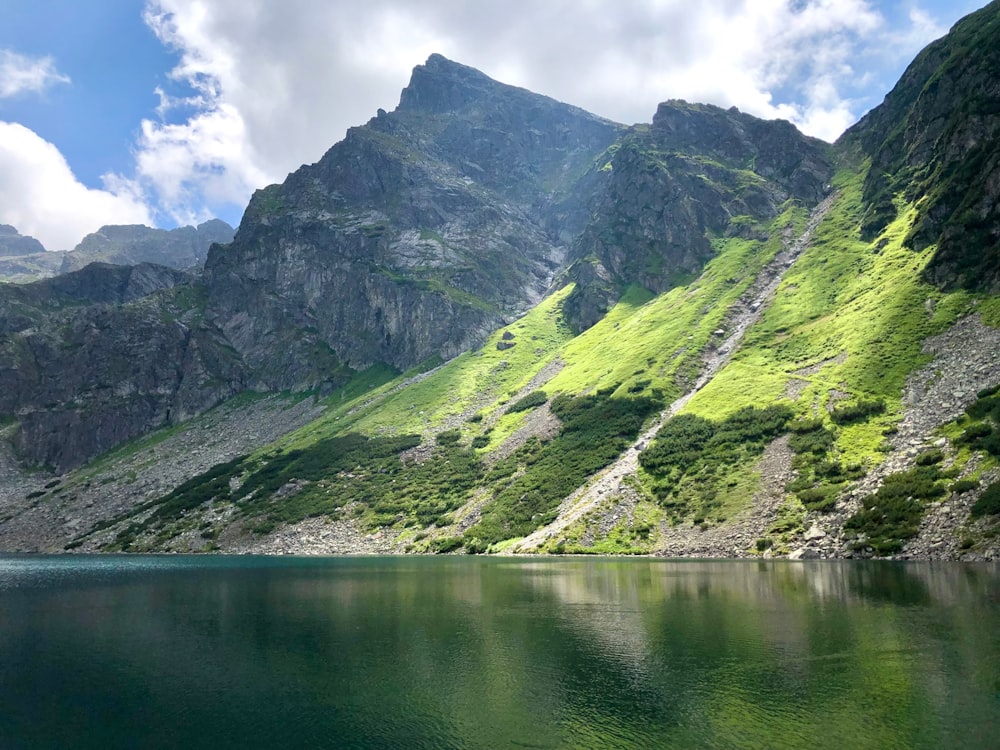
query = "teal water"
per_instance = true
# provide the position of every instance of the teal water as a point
(246, 652)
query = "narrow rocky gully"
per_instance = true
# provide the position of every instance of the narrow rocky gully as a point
(611, 484)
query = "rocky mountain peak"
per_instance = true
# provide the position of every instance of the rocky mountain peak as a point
(13, 242)
(440, 85)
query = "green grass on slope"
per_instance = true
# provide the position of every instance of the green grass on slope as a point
(656, 344)
(488, 376)
(530, 484)
(846, 327)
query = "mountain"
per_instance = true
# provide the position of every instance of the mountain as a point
(414, 237)
(24, 258)
(490, 322)
(934, 140)
(13, 243)
(182, 248)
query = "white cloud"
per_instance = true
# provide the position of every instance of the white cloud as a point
(42, 198)
(20, 73)
(273, 85)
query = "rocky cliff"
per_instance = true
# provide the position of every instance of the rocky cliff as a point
(934, 141)
(414, 237)
(99, 356)
(184, 248)
(13, 243)
(696, 173)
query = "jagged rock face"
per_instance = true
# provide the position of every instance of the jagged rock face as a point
(415, 236)
(672, 186)
(14, 243)
(94, 358)
(182, 248)
(936, 138)
(25, 305)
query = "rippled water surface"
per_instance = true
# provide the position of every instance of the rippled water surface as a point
(166, 652)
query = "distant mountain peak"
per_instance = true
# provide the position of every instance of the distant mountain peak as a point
(13, 242)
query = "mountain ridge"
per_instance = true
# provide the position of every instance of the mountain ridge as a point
(578, 276)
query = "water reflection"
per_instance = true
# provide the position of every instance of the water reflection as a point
(485, 653)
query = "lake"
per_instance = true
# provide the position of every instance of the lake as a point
(469, 652)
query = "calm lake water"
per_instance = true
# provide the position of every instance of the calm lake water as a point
(217, 652)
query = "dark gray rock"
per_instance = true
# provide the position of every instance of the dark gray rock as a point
(414, 237)
(182, 248)
(13, 243)
(670, 187)
(936, 140)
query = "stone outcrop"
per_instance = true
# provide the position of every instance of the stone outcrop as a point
(14, 243)
(103, 355)
(698, 172)
(934, 139)
(414, 237)
(182, 248)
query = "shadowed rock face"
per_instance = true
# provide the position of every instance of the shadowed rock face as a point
(12, 243)
(415, 236)
(672, 186)
(96, 357)
(936, 138)
(182, 248)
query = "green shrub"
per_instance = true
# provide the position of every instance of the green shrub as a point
(929, 458)
(448, 437)
(975, 432)
(988, 503)
(963, 485)
(818, 499)
(531, 401)
(987, 392)
(857, 411)
(445, 544)
(480, 441)
(817, 440)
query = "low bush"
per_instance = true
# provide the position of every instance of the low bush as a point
(892, 515)
(448, 437)
(857, 411)
(443, 545)
(988, 503)
(929, 458)
(531, 401)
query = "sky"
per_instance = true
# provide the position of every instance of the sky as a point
(171, 112)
